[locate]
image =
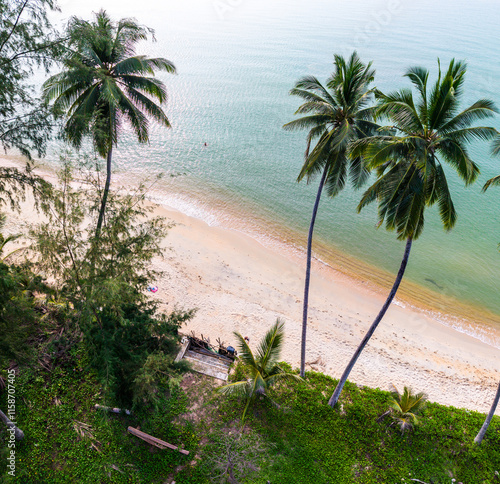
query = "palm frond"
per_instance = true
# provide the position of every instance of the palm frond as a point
(148, 106)
(244, 351)
(400, 108)
(419, 77)
(269, 349)
(481, 109)
(307, 122)
(337, 173)
(140, 65)
(238, 389)
(311, 83)
(456, 155)
(495, 181)
(281, 376)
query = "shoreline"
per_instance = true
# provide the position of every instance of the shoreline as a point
(238, 283)
(447, 310)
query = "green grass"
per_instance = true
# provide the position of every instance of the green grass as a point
(53, 451)
(305, 441)
(310, 442)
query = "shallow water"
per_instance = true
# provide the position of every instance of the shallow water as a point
(237, 60)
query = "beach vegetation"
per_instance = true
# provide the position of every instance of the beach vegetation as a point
(404, 408)
(104, 86)
(27, 42)
(335, 115)
(262, 370)
(306, 443)
(130, 344)
(427, 132)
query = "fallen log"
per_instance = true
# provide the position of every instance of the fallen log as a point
(161, 444)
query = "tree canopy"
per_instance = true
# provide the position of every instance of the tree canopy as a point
(27, 42)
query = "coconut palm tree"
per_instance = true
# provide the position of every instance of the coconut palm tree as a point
(105, 85)
(405, 408)
(427, 132)
(262, 370)
(335, 115)
(489, 417)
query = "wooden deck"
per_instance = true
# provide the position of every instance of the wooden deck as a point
(205, 361)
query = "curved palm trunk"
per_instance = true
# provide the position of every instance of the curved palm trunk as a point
(18, 433)
(484, 428)
(102, 210)
(338, 390)
(308, 275)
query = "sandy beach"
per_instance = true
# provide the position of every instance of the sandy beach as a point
(238, 284)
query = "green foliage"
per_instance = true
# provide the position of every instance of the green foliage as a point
(123, 257)
(14, 183)
(53, 408)
(131, 346)
(427, 132)
(304, 443)
(27, 41)
(336, 115)
(262, 371)
(405, 407)
(18, 318)
(104, 83)
(17, 315)
(234, 456)
(133, 352)
(308, 442)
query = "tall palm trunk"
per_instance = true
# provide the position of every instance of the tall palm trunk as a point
(102, 210)
(484, 428)
(308, 275)
(338, 390)
(18, 433)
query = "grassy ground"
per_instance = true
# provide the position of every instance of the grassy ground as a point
(301, 441)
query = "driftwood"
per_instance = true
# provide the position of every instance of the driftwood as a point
(161, 444)
(114, 410)
(18, 433)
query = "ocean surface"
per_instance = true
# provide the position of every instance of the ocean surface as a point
(236, 62)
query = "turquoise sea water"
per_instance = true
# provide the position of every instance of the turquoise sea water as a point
(237, 60)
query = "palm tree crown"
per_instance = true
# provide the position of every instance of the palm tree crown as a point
(262, 369)
(104, 83)
(405, 407)
(336, 114)
(426, 132)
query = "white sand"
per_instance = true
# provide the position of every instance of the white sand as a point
(239, 285)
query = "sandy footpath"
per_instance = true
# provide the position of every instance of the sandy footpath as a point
(237, 284)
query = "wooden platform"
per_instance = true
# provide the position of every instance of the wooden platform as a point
(205, 361)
